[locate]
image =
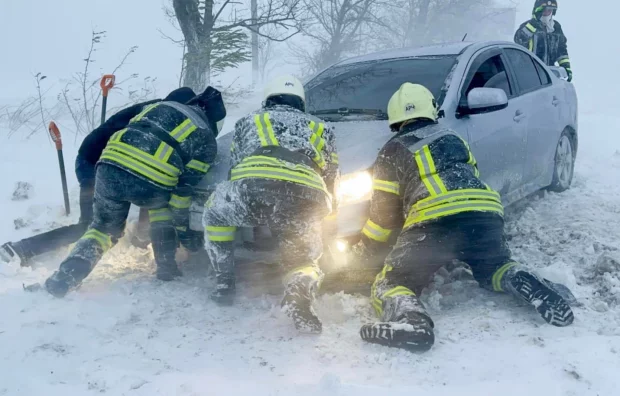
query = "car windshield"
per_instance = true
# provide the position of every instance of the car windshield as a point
(362, 90)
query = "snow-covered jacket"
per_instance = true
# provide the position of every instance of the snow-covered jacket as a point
(283, 143)
(424, 173)
(550, 47)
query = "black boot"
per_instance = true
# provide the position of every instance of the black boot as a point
(413, 332)
(168, 271)
(297, 304)
(68, 277)
(550, 305)
(224, 293)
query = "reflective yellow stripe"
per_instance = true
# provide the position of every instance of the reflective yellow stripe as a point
(531, 28)
(428, 172)
(314, 181)
(117, 136)
(160, 215)
(318, 143)
(375, 232)
(272, 137)
(143, 113)
(387, 186)
(376, 301)
(307, 270)
(140, 168)
(181, 132)
(198, 165)
(531, 45)
(179, 202)
(563, 61)
(398, 291)
(182, 229)
(496, 280)
(457, 195)
(255, 160)
(144, 157)
(260, 130)
(104, 240)
(437, 211)
(471, 161)
(221, 234)
(335, 158)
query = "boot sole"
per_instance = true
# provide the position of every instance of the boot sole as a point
(399, 335)
(549, 304)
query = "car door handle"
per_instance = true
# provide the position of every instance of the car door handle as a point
(519, 116)
(555, 101)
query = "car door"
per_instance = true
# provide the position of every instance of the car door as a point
(536, 89)
(497, 139)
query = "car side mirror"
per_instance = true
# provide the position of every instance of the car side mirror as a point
(485, 100)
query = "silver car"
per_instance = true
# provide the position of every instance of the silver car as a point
(518, 115)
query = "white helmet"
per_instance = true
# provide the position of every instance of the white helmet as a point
(285, 85)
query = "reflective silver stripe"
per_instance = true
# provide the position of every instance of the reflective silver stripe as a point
(180, 202)
(221, 233)
(528, 32)
(481, 194)
(198, 165)
(273, 174)
(189, 113)
(165, 153)
(384, 185)
(472, 206)
(177, 135)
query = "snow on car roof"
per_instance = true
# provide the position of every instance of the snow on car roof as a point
(431, 50)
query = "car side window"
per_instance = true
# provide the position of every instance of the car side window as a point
(542, 73)
(523, 65)
(491, 74)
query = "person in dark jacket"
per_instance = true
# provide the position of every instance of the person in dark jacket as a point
(154, 162)
(543, 36)
(426, 187)
(284, 171)
(88, 154)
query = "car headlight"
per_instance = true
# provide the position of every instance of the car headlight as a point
(355, 187)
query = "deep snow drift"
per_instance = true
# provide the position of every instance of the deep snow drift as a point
(125, 333)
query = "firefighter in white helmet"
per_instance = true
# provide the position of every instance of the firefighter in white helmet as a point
(427, 193)
(283, 172)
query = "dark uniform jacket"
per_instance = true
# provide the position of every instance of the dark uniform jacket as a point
(168, 144)
(283, 143)
(424, 173)
(549, 47)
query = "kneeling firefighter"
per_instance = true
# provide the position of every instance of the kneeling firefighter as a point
(426, 186)
(284, 169)
(153, 163)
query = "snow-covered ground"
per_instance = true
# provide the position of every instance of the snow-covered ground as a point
(124, 333)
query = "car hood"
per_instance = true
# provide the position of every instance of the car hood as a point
(358, 144)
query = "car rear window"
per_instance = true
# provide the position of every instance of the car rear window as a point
(369, 85)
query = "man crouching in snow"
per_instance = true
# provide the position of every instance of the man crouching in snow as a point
(428, 173)
(284, 169)
(153, 163)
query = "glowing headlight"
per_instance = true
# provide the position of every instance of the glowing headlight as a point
(341, 246)
(355, 187)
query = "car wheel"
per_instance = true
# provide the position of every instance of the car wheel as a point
(564, 164)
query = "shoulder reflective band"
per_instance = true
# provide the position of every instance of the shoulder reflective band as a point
(458, 195)
(143, 113)
(317, 141)
(264, 124)
(496, 280)
(187, 112)
(386, 186)
(531, 28)
(180, 133)
(160, 215)
(335, 158)
(118, 135)
(142, 156)
(179, 202)
(375, 232)
(140, 168)
(428, 172)
(416, 217)
(220, 234)
(278, 174)
(102, 239)
(198, 165)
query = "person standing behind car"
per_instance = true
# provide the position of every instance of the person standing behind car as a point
(543, 36)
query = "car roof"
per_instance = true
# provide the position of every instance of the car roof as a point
(432, 50)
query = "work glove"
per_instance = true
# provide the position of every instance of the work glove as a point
(570, 74)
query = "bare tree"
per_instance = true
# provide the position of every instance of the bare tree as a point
(215, 33)
(336, 28)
